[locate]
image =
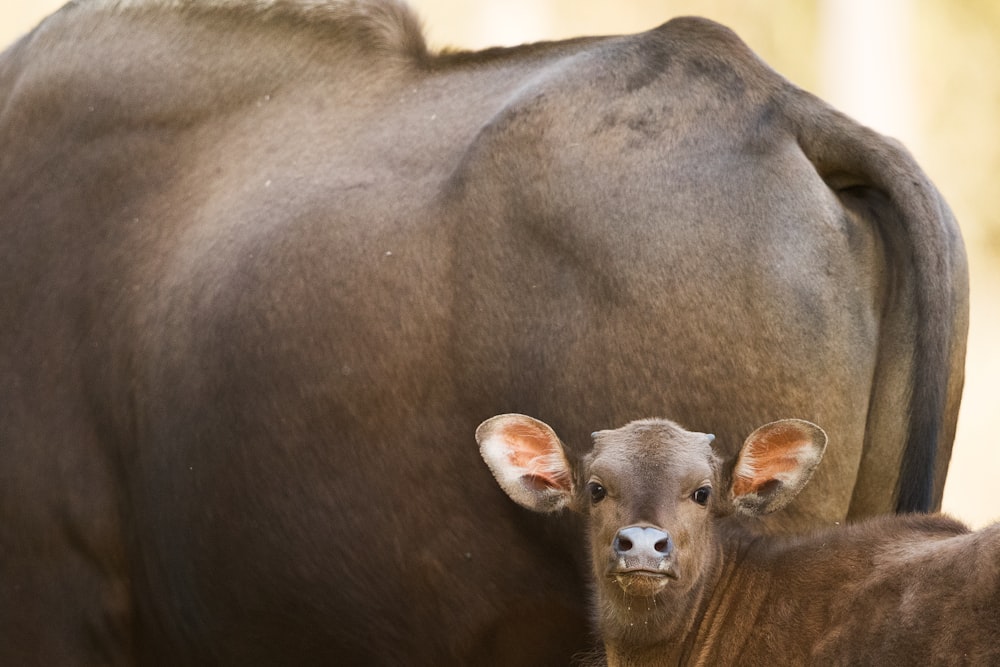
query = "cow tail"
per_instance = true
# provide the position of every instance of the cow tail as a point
(930, 252)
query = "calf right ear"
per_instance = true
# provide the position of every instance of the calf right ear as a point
(527, 460)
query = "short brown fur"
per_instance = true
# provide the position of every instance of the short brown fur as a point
(893, 590)
(264, 266)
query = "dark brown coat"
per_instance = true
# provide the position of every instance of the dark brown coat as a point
(681, 577)
(264, 263)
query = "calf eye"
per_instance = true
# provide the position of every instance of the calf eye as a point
(597, 492)
(701, 495)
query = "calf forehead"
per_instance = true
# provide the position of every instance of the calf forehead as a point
(652, 447)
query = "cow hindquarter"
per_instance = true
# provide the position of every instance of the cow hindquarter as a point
(692, 265)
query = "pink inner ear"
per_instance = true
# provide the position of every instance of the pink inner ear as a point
(771, 456)
(538, 453)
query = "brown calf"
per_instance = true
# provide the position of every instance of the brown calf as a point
(680, 577)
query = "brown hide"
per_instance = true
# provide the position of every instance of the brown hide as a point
(265, 265)
(900, 590)
(891, 590)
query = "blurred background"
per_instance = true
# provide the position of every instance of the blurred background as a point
(923, 71)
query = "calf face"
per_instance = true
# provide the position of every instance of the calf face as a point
(652, 493)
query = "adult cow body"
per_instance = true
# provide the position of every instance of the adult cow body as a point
(264, 266)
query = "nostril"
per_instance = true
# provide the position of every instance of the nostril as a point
(662, 546)
(623, 544)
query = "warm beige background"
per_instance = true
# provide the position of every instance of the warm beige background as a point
(922, 70)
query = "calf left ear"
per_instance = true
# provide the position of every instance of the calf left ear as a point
(527, 460)
(774, 464)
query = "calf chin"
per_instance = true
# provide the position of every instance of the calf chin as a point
(642, 584)
(639, 609)
(636, 621)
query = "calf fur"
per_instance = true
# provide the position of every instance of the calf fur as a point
(681, 576)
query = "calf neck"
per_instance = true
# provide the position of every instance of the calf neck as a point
(681, 576)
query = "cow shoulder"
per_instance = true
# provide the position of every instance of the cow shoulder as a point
(98, 65)
(388, 26)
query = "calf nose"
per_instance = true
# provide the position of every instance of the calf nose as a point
(642, 541)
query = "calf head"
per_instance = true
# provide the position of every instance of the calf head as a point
(652, 493)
